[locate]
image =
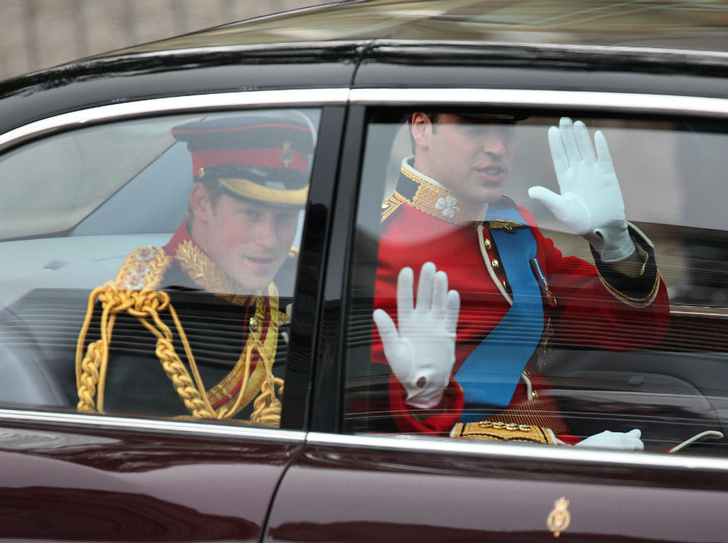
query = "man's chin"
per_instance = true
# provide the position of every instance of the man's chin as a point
(488, 198)
(253, 283)
(491, 195)
(253, 287)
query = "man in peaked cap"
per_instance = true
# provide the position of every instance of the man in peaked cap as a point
(197, 324)
(471, 367)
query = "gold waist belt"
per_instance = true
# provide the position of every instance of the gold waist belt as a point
(528, 422)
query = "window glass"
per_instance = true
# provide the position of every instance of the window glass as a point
(149, 265)
(590, 314)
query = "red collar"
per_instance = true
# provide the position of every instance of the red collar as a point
(202, 270)
(180, 236)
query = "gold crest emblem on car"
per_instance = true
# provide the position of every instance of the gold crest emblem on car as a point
(560, 518)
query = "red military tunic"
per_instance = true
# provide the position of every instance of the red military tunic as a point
(598, 309)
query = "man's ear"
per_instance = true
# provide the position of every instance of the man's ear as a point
(421, 129)
(200, 202)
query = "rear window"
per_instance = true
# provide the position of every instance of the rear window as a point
(592, 353)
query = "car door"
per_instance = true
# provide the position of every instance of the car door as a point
(81, 191)
(362, 477)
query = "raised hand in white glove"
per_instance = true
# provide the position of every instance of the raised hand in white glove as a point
(622, 441)
(421, 352)
(590, 202)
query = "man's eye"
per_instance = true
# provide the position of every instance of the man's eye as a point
(252, 214)
(508, 130)
(476, 131)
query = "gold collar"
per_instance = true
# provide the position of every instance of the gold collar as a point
(208, 275)
(415, 190)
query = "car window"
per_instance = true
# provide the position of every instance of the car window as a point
(149, 265)
(554, 341)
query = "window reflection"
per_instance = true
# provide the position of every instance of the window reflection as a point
(602, 362)
(187, 244)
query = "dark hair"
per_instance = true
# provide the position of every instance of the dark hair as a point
(212, 185)
(434, 117)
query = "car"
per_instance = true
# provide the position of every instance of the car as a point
(90, 171)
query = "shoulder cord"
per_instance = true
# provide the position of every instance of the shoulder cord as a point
(146, 304)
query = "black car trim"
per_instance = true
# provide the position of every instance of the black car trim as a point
(329, 371)
(543, 99)
(308, 304)
(644, 60)
(136, 53)
(177, 104)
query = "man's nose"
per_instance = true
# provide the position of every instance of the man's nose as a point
(266, 234)
(493, 144)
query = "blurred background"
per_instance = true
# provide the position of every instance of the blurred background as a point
(37, 34)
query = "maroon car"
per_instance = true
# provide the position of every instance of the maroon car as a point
(90, 170)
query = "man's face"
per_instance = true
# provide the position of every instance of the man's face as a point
(248, 241)
(470, 157)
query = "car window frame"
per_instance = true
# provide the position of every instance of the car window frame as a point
(326, 429)
(331, 102)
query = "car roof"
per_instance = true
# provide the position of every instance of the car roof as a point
(680, 26)
(679, 47)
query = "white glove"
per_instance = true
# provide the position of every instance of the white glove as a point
(422, 352)
(590, 202)
(629, 441)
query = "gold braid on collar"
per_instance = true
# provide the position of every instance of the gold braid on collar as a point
(208, 275)
(435, 201)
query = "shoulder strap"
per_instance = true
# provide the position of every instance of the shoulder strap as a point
(143, 268)
(389, 207)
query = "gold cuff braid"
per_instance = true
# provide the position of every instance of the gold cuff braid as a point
(501, 431)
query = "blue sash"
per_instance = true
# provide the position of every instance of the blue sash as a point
(490, 374)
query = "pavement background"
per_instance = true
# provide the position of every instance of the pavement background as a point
(37, 34)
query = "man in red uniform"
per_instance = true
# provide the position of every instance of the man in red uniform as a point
(465, 361)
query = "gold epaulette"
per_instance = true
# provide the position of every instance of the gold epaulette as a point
(502, 431)
(389, 206)
(143, 268)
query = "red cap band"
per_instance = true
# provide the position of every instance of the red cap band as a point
(264, 158)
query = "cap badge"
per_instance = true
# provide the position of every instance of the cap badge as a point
(286, 155)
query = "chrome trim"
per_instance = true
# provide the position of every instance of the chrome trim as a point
(403, 443)
(187, 428)
(541, 453)
(658, 53)
(74, 119)
(622, 101)
(699, 311)
(653, 103)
